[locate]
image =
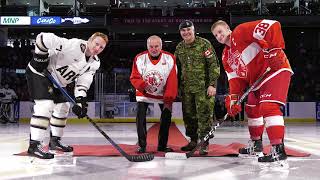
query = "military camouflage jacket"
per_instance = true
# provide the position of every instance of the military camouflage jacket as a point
(198, 63)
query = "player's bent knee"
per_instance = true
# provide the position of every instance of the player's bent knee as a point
(43, 108)
(61, 110)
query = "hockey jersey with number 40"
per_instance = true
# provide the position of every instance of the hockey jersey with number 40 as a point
(244, 61)
(68, 62)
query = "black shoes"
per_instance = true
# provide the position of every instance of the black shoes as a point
(55, 144)
(277, 153)
(141, 150)
(165, 149)
(204, 149)
(36, 149)
(190, 146)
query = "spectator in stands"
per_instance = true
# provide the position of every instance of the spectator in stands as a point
(8, 100)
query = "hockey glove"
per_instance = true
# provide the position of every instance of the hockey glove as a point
(232, 108)
(80, 109)
(275, 57)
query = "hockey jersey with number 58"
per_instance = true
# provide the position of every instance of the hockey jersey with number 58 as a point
(243, 61)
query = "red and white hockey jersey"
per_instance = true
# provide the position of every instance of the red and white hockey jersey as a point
(68, 62)
(155, 80)
(243, 61)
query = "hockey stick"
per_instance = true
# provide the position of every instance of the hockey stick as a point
(174, 155)
(132, 158)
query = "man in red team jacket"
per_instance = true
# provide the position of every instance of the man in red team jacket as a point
(154, 76)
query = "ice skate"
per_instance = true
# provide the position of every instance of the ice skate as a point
(36, 149)
(276, 159)
(56, 147)
(254, 149)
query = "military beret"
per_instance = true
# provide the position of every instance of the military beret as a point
(185, 24)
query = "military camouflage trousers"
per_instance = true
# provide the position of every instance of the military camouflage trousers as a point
(197, 111)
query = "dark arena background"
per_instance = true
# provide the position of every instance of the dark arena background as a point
(112, 103)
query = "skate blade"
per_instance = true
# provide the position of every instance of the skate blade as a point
(61, 153)
(251, 156)
(58, 160)
(274, 166)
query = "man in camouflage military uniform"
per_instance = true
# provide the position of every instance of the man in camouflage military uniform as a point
(199, 72)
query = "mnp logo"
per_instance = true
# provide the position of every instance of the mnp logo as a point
(15, 20)
(45, 20)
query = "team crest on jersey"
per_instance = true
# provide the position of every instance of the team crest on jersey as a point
(83, 47)
(154, 79)
(236, 63)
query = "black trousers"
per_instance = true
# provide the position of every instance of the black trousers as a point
(141, 122)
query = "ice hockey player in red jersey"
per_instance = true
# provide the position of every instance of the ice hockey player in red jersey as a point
(250, 49)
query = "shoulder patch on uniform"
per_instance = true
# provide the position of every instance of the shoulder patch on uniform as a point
(83, 47)
(208, 53)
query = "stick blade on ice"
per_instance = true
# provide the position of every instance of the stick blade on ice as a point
(140, 158)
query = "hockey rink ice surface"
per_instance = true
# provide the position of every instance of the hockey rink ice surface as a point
(14, 139)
